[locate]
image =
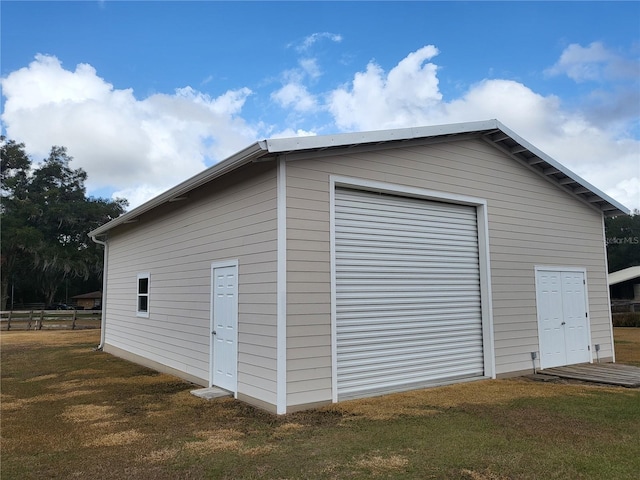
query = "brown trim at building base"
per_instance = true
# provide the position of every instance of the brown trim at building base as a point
(307, 406)
(132, 357)
(261, 404)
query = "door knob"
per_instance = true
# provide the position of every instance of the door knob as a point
(560, 324)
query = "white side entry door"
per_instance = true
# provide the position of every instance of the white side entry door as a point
(224, 326)
(563, 322)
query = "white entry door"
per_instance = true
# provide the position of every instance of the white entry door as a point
(224, 327)
(563, 322)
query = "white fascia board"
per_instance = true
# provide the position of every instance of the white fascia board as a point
(252, 152)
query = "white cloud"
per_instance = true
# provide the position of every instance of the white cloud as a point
(293, 93)
(137, 147)
(400, 98)
(312, 39)
(580, 63)
(310, 67)
(604, 155)
(296, 96)
(289, 132)
(593, 63)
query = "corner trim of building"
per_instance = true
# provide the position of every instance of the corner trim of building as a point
(281, 322)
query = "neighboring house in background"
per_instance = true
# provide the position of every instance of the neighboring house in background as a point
(624, 287)
(88, 301)
(304, 271)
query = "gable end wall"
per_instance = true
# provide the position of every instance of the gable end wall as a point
(531, 222)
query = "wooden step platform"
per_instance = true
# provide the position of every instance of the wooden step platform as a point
(607, 373)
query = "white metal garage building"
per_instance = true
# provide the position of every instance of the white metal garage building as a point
(309, 270)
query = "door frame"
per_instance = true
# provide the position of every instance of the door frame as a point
(556, 268)
(214, 267)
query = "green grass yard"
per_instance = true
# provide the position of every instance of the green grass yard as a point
(70, 412)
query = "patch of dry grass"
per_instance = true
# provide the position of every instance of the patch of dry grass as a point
(484, 475)
(438, 399)
(43, 377)
(54, 338)
(160, 456)
(115, 439)
(627, 344)
(287, 429)
(377, 465)
(215, 440)
(259, 450)
(12, 404)
(142, 380)
(89, 413)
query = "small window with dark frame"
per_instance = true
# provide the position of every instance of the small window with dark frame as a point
(143, 295)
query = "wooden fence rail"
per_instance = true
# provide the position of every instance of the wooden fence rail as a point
(49, 319)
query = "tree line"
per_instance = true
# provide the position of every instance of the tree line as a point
(46, 214)
(623, 241)
(45, 217)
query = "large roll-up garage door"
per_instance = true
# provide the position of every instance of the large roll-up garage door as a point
(408, 309)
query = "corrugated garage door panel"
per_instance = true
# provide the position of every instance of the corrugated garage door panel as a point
(407, 292)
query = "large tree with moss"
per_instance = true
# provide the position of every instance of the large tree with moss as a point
(46, 216)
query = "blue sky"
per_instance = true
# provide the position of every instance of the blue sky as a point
(145, 94)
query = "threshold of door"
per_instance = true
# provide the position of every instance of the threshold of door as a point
(211, 393)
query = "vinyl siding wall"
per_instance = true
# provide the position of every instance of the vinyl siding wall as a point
(531, 222)
(234, 218)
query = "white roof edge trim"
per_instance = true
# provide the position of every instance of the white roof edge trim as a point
(561, 167)
(248, 154)
(281, 145)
